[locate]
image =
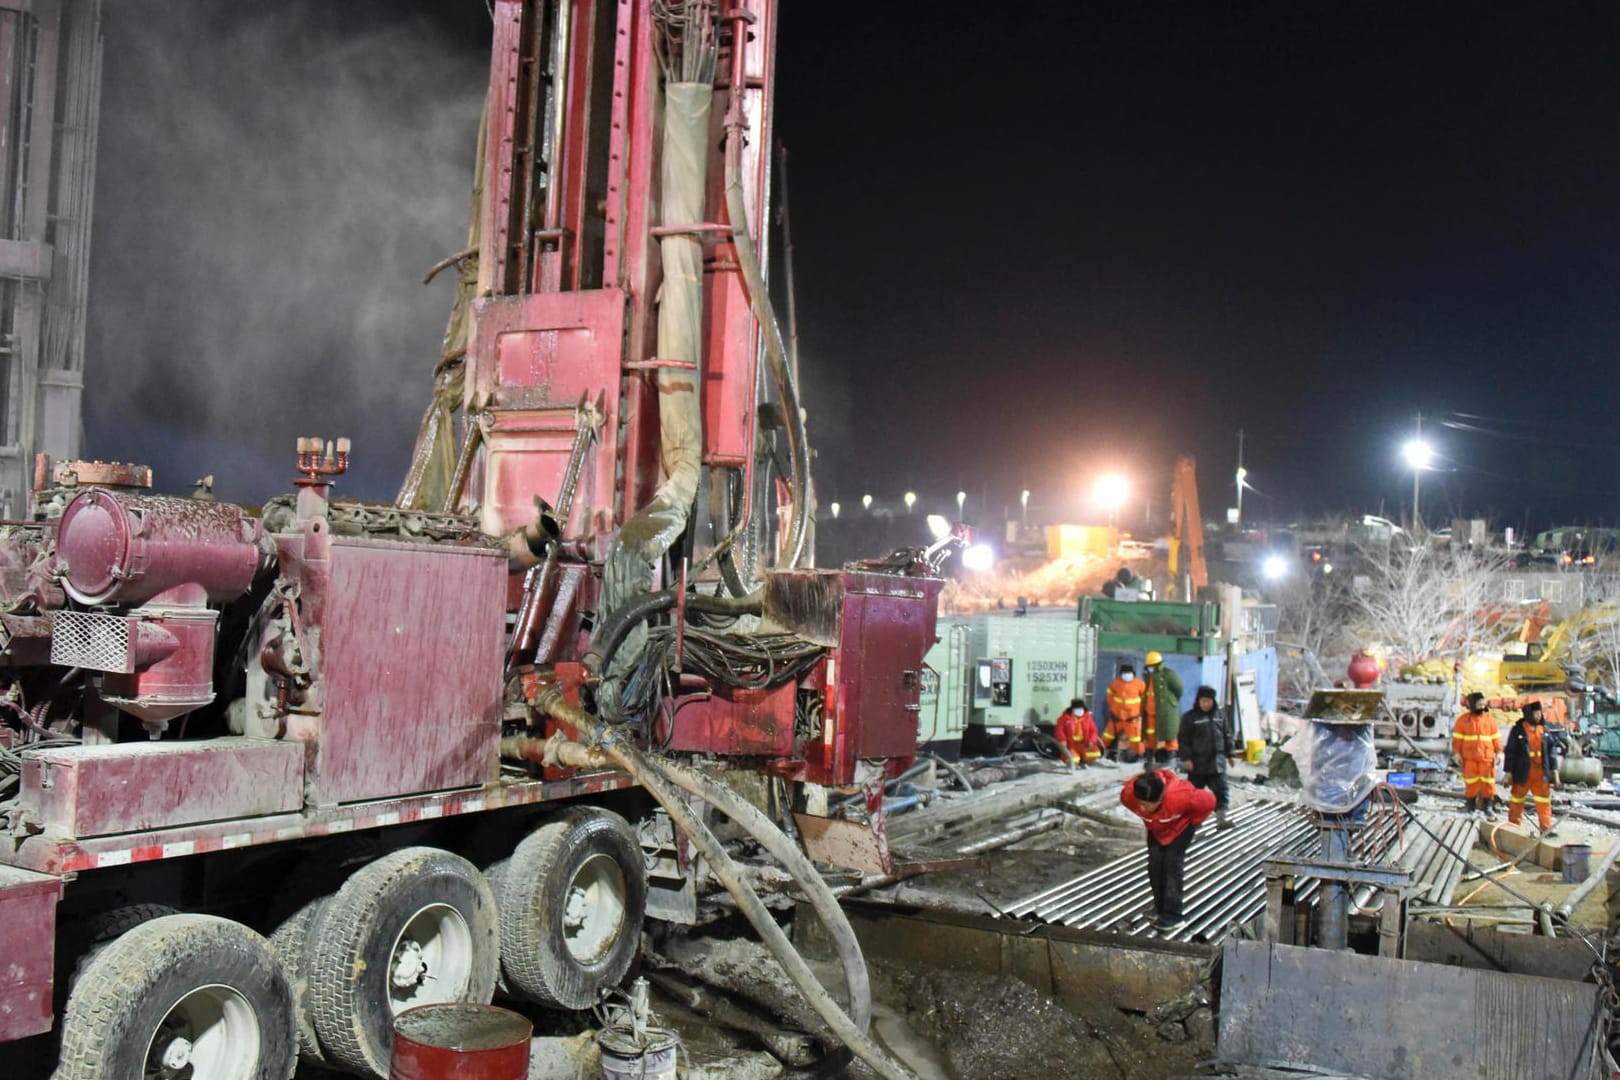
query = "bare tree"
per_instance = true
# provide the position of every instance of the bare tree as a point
(1594, 646)
(1421, 599)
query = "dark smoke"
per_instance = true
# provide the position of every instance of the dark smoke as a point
(274, 179)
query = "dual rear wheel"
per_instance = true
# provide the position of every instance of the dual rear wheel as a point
(195, 997)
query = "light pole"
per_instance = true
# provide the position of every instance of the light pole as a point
(1111, 489)
(1242, 479)
(1418, 454)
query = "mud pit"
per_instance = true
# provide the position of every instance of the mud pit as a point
(942, 1023)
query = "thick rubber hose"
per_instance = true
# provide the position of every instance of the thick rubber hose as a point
(611, 631)
(661, 778)
(755, 910)
(775, 351)
(781, 847)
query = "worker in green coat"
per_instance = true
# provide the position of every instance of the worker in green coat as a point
(1162, 710)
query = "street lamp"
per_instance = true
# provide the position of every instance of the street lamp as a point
(911, 500)
(979, 557)
(961, 501)
(1242, 482)
(1023, 504)
(834, 510)
(1418, 454)
(1111, 490)
(866, 502)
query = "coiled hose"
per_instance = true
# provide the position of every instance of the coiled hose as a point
(663, 779)
(611, 631)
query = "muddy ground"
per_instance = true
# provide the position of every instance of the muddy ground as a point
(739, 1016)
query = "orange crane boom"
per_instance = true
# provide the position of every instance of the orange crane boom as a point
(1187, 553)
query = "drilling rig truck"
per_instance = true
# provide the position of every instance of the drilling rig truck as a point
(270, 776)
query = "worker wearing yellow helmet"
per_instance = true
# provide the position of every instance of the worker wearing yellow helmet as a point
(1161, 708)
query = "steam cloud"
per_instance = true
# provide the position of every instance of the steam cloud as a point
(273, 182)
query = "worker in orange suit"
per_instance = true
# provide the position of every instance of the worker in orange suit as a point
(1477, 743)
(1123, 733)
(1525, 757)
(1076, 732)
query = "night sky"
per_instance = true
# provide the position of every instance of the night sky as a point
(1032, 243)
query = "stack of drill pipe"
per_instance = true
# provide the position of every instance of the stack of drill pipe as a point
(1223, 868)
(1225, 879)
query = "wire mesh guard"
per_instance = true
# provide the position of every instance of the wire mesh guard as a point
(1225, 882)
(93, 641)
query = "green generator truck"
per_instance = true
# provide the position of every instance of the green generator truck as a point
(998, 679)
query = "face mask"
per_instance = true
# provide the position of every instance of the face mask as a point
(1129, 676)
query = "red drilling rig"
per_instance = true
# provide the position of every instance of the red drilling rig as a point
(272, 776)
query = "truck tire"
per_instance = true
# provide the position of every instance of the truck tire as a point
(183, 995)
(572, 899)
(290, 942)
(416, 927)
(105, 927)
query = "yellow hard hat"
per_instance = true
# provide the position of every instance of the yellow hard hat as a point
(1152, 658)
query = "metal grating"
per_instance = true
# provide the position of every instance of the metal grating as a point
(1225, 881)
(84, 639)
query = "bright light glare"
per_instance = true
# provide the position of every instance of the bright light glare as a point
(1274, 567)
(835, 509)
(1418, 454)
(938, 527)
(979, 557)
(866, 502)
(911, 499)
(1111, 490)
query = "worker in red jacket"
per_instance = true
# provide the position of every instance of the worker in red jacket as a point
(1172, 809)
(1076, 732)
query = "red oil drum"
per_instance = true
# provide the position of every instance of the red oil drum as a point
(460, 1041)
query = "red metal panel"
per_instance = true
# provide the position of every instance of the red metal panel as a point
(743, 722)
(128, 787)
(731, 334)
(28, 916)
(536, 359)
(57, 856)
(411, 655)
(881, 625)
(888, 627)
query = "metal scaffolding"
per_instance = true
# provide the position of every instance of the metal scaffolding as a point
(50, 89)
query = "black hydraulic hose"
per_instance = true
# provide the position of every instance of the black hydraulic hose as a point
(775, 350)
(612, 630)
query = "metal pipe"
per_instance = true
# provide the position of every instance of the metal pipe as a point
(1597, 875)
(1011, 836)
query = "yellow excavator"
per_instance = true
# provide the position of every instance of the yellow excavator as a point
(1549, 663)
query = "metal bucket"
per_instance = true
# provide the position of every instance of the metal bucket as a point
(1577, 862)
(648, 1055)
(460, 1041)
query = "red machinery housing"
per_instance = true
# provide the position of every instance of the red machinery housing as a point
(602, 523)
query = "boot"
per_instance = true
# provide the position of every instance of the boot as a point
(1473, 804)
(1222, 821)
(1489, 802)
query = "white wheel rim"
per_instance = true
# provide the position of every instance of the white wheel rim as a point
(432, 960)
(211, 1033)
(594, 909)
